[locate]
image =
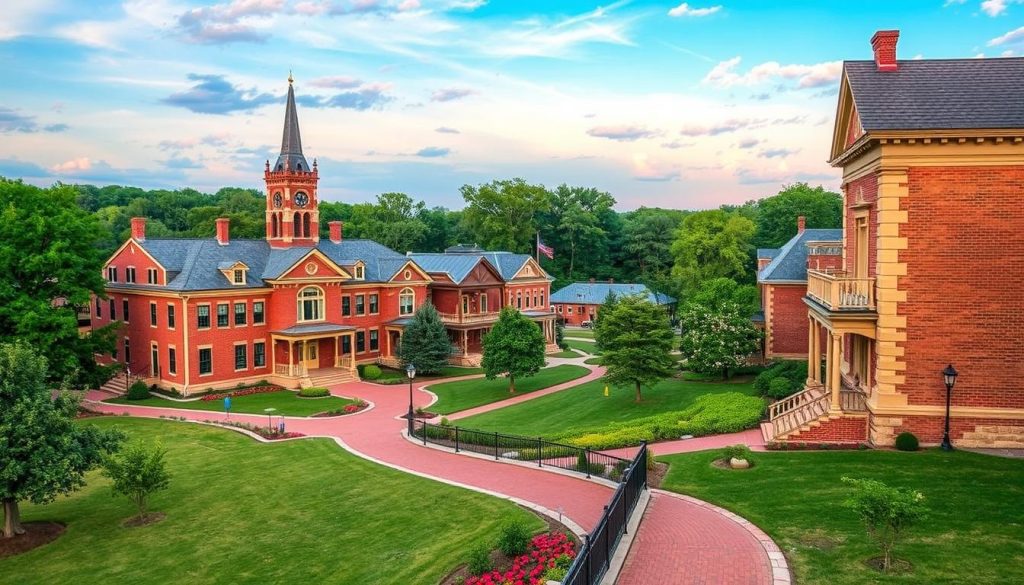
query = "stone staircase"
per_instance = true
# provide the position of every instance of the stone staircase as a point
(797, 412)
(117, 385)
(993, 437)
(327, 377)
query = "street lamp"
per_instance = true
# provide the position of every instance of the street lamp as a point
(410, 372)
(949, 376)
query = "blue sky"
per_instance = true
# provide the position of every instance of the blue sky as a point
(672, 104)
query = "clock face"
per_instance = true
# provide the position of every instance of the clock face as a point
(301, 199)
(278, 200)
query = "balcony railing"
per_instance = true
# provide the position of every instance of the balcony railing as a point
(838, 291)
(294, 370)
(487, 317)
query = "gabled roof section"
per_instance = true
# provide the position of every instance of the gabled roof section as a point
(510, 264)
(790, 264)
(456, 266)
(595, 293)
(308, 266)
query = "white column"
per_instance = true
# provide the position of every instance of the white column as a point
(837, 341)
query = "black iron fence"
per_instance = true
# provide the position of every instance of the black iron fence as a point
(518, 448)
(592, 562)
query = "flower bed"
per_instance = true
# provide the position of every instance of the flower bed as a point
(266, 433)
(243, 392)
(548, 555)
(353, 408)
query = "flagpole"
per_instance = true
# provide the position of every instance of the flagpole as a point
(536, 248)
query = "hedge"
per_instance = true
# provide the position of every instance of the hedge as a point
(314, 392)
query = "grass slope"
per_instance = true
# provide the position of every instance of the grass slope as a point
(584, 346)
(973, 533)
(578, 332)
(286, 402)
(564, 354)
(243, 512)
(456, 396)
(585, 407)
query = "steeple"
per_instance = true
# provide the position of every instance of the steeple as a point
(291, 157)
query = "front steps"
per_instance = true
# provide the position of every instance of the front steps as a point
(796, 413)
(326, 377)
(117, 385)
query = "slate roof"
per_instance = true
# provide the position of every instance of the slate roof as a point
(595, 293)
(939, 94)
(291, 141)
(790, 264)
(196, 264)
(459, 264)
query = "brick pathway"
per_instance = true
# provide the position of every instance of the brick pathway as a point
(680, 540)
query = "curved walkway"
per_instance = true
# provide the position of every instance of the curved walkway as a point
(655, 556)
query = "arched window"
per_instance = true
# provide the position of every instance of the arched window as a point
(406, 301)
(296, 226)
(311, 304)
(305, 225)
(519, 299)
(273, 226)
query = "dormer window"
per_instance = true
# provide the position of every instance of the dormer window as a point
(360, 271)
(235, 272)
(239, 276)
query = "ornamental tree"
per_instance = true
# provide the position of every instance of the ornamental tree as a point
(717, 340)
(514, 347)
(137, 472)
(886, 512)
(636, 342)
(43, 453)
(425, 342)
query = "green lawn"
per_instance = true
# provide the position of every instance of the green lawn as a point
(456, 396)
(387, 374)
(585, 346)
(564, 354)
(287, 403)
(594, 361)
(243, 512)
(585, 407)
(578, 332)
(974, 532)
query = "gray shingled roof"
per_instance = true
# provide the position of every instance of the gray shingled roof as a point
(291, 141)
(595, 293)
(939, 94)
(791, 262)
(458, 265)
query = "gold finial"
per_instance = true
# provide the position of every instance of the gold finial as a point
(290, 79)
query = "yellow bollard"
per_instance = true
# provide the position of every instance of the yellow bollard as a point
(606, 389)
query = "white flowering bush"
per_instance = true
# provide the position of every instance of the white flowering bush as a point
(717, 340)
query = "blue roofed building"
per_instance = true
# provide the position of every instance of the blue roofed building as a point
(577, 305)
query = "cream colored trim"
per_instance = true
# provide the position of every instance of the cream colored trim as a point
(143, 250)
(187, 352)
(954, 412)
(409, 264)
(342, 273)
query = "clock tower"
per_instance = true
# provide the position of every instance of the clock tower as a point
(293, 216)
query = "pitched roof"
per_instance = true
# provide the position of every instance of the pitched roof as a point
(595, 293)
(457, 265)
(790, 264)
(939, 94)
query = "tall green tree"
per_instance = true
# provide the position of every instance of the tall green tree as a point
(777, 215)
(574, 222)
(717, 340)
(43, 453)
(719, 292)
(648, 237)
(712, 244)
(514, 347)
(50, 267)
(137, 472)
(636, 342)
(502, 215)
(425, 342)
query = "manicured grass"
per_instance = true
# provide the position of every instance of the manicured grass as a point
(586, 408)
(973, 533)
(564, 354)
(239, 511)
(287, 403)
(584, 346)
(594, 361)
(446, 372)
(456, 396)
(578, 332)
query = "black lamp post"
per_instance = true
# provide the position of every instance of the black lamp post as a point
(410, 371)
(949, 376)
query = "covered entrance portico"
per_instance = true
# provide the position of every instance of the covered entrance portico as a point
(302, 350)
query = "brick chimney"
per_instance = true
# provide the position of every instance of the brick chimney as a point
(139, 229)
(801, 223)
(884, 45)
(223, 232)
(335, 227)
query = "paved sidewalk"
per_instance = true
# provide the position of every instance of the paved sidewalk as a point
(595, 373)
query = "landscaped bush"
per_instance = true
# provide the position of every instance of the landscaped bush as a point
(371, 372)
(138, 391)
(907, 442)
(360, 368)
(737, 452)
(314, 392)
(513, 538)
(793, 371)
(480, 558)
(728, 412)
(553, 551)
(243, 392)
(584, 466)
(780, 387)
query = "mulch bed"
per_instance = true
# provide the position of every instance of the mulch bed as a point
(657, 475)
(149, 518)
(36, 534)
(502, 562)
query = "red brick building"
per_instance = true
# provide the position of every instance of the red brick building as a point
(782, 278)
(578, 303)
(292, 308)
(932, 154)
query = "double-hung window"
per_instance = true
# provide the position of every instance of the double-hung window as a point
(206, 360)
(373, 304)
(257, 313)
(240, 357)
(360, 304)
(203, 316)
(259, 354)
(152, 314)
(240, 313)
(222, 315)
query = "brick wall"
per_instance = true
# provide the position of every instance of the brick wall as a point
(788, 333)
(965, 268)
(848, 429)
(859, 191)
(928, 429)
(580, 313)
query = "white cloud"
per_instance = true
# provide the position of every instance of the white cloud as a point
(724, 74)
(1011, 38)
(645, 169)
(685, 9)
(72, 166)
(622, 133)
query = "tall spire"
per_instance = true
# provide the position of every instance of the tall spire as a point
(291, 143)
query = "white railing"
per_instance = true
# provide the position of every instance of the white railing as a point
(837, 291)
(294, 370)
(469, 317)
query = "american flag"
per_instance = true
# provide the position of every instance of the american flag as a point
(544, 249)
